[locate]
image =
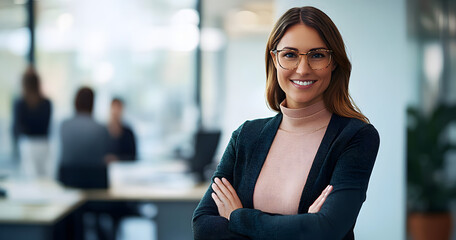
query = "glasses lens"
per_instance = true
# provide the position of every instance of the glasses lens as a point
(288, 59)
(318, 59)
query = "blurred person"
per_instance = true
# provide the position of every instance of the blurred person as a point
(83, 146)
(122, 144)
(121, 147)
(304, 173)
(31, 120)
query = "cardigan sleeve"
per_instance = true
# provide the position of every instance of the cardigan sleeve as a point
(340, 210)
(207, 223)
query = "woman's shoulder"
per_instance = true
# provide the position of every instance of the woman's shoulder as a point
(352, 127)
(127, 130)
(47, 102)
(257, 125)
(44, 105)
(252, 130)
(262, 121)
(19, 102)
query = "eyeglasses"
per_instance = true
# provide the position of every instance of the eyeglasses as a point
(289, 59)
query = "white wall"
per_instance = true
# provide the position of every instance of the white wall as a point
(245, 83)
(382, 85)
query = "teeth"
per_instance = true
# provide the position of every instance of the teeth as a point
(303, 83)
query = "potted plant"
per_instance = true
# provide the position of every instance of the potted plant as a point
(429, 191)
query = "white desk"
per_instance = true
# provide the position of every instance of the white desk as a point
(38, 209)
(38, 202)
(147, 194)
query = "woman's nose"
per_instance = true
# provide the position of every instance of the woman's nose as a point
(303, 66)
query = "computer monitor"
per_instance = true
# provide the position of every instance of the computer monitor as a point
(205, 146)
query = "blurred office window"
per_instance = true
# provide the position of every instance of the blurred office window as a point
(14, 38)
(234, 36)
(142, 51)
(432, 25)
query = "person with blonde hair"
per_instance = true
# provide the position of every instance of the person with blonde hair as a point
(304, 173)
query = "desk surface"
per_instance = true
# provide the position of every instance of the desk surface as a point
(40, 202)
(151, 193)
(26, 213)
(49, 211)
(46, 202)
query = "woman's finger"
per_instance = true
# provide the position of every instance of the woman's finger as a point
(229, 186)
(320, 202)
(320, 197)
(220, 194)
(217, 201)
(231, 189)
(316, 206)
(224, 189)
(323, 199)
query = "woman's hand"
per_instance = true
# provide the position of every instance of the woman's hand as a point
(225, 197)
(315, 207)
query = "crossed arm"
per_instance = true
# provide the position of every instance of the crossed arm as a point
(227, 200)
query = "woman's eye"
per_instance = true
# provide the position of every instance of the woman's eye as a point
(318, 55)
(289, 55)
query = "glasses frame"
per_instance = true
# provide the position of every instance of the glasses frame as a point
(303, 54)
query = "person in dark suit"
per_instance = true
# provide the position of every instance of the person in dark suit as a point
(122, 143)
(304, 173)
(83, 146)
(31, 120)
(121, 148)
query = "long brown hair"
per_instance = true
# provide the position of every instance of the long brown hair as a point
(31, 87)
(336, 97)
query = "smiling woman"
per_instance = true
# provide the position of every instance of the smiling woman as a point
(304, 173)
(302, 81)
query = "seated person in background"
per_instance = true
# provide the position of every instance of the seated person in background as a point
(32, 114)
(84, 146)
(122, 144)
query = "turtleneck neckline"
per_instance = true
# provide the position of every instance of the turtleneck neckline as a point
(313, 118)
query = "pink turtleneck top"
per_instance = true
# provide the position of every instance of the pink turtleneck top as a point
(284, 173)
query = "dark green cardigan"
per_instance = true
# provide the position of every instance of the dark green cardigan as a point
(344, 159)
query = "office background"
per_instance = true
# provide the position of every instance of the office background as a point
(175, 78)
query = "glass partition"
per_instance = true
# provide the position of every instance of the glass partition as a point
(14, 43)
(141, 51)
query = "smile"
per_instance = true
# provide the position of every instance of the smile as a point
(303, 83)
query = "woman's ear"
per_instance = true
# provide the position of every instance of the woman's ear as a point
(334, 66)
(274, 59)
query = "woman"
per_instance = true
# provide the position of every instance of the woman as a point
(302, 174)
(122, 144)
(32, 114)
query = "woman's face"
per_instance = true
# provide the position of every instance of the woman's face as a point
(116, 111)
(303, 86)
